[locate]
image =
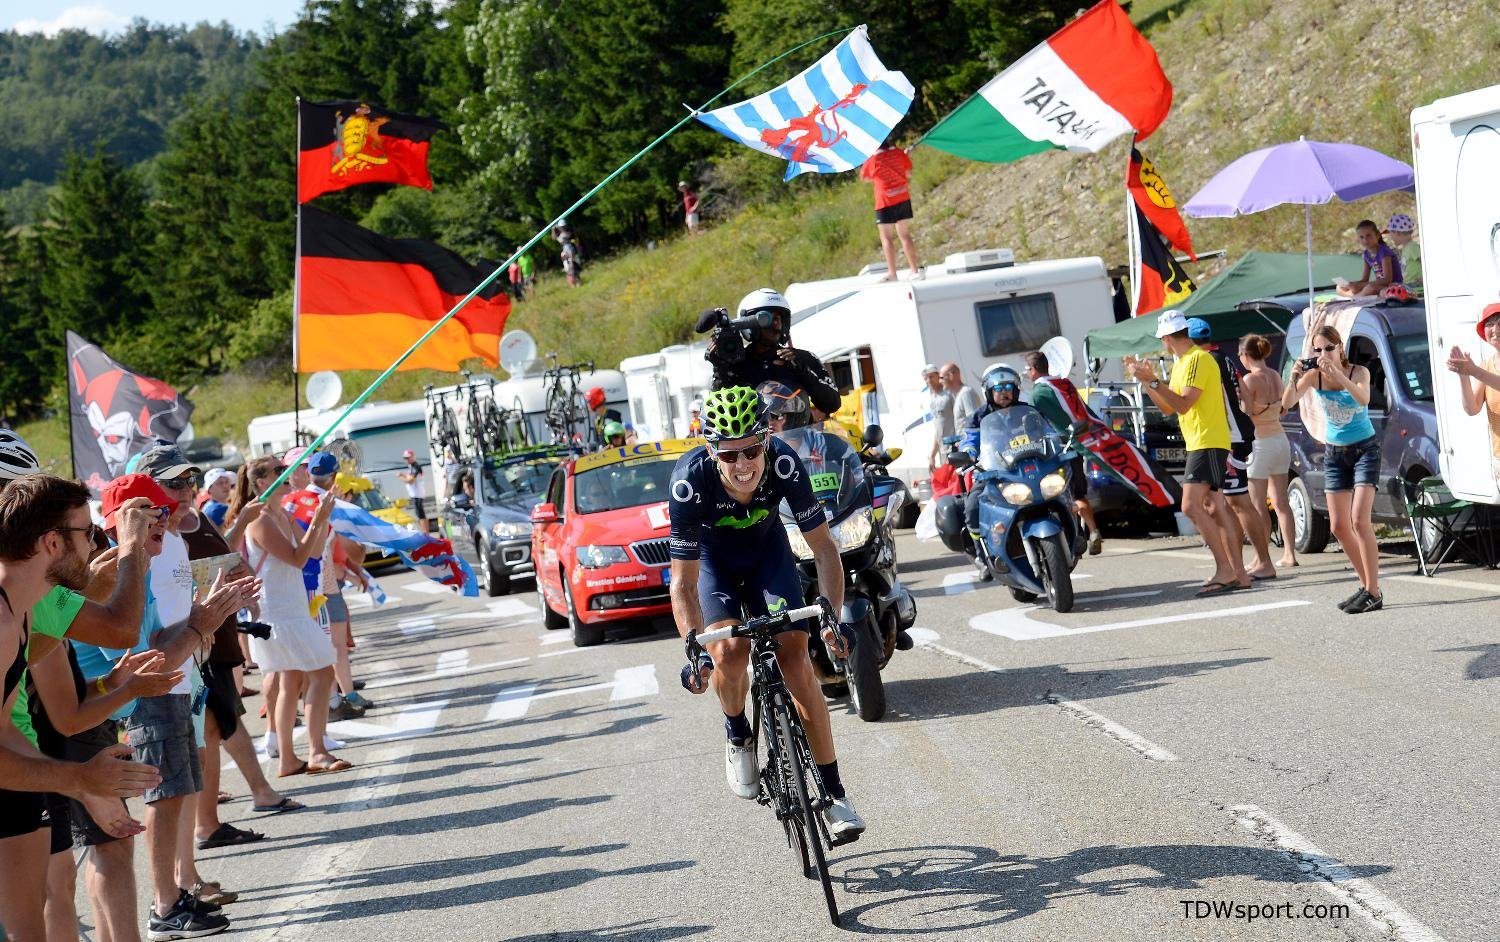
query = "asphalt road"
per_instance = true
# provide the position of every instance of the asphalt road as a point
(1114, 773)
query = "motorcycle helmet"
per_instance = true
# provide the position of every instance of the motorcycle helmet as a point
(780, 399)
(764, 299)
(16, 457)
(735, 412)
(1001, 377)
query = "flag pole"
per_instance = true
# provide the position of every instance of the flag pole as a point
(297, 296)
(504, 266)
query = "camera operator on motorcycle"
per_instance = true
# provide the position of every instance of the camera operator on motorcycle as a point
(756, 346)
(1002, 389)
(731, 560)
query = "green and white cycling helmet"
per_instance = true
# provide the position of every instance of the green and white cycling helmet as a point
(731, 413)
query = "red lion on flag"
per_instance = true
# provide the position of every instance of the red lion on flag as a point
(818, 128)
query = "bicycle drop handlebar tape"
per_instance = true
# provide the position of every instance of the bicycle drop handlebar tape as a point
(730, 631)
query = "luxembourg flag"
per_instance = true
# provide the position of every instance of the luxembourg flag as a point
(431, 556)
(1095, 79)
(829, 119)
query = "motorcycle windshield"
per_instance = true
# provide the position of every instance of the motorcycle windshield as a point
(834, 470)
(1014, 433)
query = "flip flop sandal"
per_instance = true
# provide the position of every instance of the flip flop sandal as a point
(337, 765)
(285, 804)
(228, 835)
(1216, 588)
(225, 797)
(297, 771)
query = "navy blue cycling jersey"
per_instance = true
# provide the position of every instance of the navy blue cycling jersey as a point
(704, 515)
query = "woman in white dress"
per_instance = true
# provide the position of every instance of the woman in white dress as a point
(298, 656)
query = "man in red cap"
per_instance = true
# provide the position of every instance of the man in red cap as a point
(1480, 382)
(599, 413)
(45, 533)
(160, 729)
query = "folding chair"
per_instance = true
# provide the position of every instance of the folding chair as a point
(1459, 525)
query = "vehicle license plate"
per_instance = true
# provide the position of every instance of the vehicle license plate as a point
(1169, 454)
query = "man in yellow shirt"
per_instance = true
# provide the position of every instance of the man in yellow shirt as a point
(1196, 397)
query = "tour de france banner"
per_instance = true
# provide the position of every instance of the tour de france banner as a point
(115, 413)
(1095, 79)
(344, 143)
(830, 118)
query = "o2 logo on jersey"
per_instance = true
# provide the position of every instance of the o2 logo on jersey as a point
(682, 492)
(786, 468)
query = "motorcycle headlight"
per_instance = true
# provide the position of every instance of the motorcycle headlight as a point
(1016, 493)
(597, 557)
(854, 531)
(794, 536)
(503, 530)
(1053, 484)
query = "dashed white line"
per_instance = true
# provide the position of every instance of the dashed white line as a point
(564, 651)
(426, 587)
(418, 678)
(1335, 877)
(1018, 625)
(416, 626)
(450, 663)
(511, 703)
(632, 682)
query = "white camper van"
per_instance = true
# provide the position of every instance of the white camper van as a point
(383, 430)
(978, 309)
(663, 385)
(1455, 151)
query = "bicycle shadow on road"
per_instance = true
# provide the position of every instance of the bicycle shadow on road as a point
(977, 692)
(639, 931)
(954, 888)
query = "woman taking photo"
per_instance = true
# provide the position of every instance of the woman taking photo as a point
(1351, 460)
(298, 655)
(1271, 458)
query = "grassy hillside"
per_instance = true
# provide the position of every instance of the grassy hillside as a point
(1247, 74)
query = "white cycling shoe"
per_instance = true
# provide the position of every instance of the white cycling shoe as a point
(843, 822)
(740, 771)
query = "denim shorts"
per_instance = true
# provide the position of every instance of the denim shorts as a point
(1346, 467)
(160, 730)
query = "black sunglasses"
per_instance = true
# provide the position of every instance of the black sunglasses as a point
(180, 484)
(731, 455)
(93, 531)
(1325, 349)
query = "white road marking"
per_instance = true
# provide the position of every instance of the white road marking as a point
(1332, 875)
(923, 635)
(416, 626)
(955, 583)
(450, 663)
(1018, 625)
(629, 683)
(1489, 588)
(511, 703)
(509, 608)
(363, 598)
(427, 587)
(418, 678)
(554, 637)
(1126, 737)
(632, 682)
(563, 651)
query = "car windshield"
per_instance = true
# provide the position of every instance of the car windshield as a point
(1411, 351)
(369, 500)
(1017, 432)
(624, 484)
(523, 479)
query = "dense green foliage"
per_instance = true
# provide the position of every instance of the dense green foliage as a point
(153, 173)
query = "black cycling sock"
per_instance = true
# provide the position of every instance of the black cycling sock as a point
(831, 780)
(738, 727)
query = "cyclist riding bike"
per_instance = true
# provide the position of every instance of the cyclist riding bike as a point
(731, 560)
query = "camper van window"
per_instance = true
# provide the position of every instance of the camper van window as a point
(382, 447)
(1016, 325)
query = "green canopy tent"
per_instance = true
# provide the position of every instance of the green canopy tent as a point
(1255, 275)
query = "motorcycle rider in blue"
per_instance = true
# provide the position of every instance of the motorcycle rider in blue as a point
(1002, 389)
(731, 560)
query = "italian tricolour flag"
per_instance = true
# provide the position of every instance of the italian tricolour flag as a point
(1095, 79)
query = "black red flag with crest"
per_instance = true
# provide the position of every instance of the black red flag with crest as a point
(344, 143)
(1156, 201)
(1163, 281)
(115, 413)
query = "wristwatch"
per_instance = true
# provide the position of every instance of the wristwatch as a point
(1155, 384)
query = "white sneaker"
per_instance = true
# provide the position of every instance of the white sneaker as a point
(740, 771)
(268, 746)
(842, 820)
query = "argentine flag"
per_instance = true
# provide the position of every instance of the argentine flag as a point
(829, 119)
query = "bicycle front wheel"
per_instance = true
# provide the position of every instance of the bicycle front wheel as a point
(792, 741)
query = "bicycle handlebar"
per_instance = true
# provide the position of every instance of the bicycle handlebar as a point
(754, 625)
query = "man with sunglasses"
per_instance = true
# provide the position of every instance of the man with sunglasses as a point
(731, 560)
(1002, 389)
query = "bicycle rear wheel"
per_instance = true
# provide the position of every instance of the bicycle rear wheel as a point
(806, 819)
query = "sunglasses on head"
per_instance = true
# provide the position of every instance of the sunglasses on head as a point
(731, 455)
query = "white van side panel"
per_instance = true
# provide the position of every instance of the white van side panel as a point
(1455, 151)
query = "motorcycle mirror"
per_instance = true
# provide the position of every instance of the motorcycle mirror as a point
(874, 435)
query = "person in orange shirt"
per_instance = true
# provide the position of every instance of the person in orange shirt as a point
(889, 169)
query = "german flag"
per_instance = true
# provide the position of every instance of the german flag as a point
(1163, 281)
(363, 299)
(1156, 201)
(343, 143)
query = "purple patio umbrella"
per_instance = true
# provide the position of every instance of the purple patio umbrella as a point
(1303, 171)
